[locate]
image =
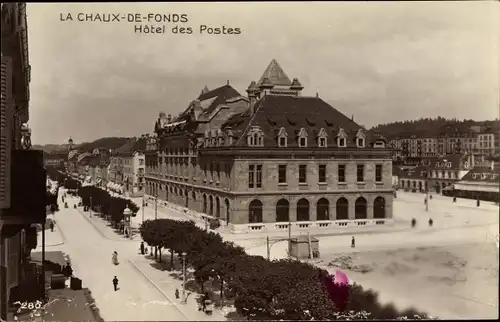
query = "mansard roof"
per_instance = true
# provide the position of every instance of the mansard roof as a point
(273, 112)
(275, 74)
(217, 96)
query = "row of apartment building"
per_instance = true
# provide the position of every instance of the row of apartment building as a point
(270, 159)
(22, 175)
(460, 175)
(476, 139)
(121, 170)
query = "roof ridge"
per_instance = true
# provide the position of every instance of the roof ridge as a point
(251, 119)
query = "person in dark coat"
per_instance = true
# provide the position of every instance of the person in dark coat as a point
(67, 270)
(142, 248)
(430, 222)
(477, 203)
(454, 199)
(353, 242)
(115, 283)
(52, 226)
(177, 293)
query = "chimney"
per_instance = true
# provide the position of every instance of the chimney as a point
(352, 118)
(228, 82)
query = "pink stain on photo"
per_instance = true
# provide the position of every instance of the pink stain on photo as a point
(341, 278)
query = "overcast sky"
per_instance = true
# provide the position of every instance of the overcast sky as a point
(381, 62)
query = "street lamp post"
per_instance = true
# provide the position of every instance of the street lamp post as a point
(126, 215)
(183, 278)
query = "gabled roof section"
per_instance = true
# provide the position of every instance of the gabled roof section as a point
(483, 174)
(127, 148)
(275, 74)
(216, 97)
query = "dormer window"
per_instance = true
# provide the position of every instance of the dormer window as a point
(282, 138)
(255, 137)
(322, 136)
(360, 139)
(302, 136)
(341, 138)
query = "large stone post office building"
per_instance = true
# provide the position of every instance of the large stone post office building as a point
(270, 158)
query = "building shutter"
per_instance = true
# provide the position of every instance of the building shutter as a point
(6, 122)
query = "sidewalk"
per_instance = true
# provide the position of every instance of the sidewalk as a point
(167, 284)
(52, 239)
(103, 227)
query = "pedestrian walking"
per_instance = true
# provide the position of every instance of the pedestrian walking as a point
(430, 197)
(425, 201)
(353, 242)
(142, 248)
(67, 270)
(52, 226)
(430, 222)
(115, 283)
(477, 203)
(454, 199)
(177, 293)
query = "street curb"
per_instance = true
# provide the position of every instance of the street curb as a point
(174, 303)
(58, 244)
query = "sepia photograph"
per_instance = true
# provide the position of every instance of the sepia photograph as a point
(227, 161)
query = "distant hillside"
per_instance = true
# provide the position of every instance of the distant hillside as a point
(427, 127)
(103, 143)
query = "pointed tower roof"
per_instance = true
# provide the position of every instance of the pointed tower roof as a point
(204, 90)
(275, 74)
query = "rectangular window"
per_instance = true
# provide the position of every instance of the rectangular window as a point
(282, 141)
(259, 176)
(282, 173)
(302, 173)
(378, 173)
(360, 173)
(322, 173)
(341, 172)
(251, 179)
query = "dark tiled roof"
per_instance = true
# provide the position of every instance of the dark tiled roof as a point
(221, 94)
(293, 113)
(455, 160)
(140, 145)
(418, 173)
(483, 174)
(127, 148)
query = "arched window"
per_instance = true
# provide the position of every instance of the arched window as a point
(379, 208)
(282, 211)
(303, 210)
(217, 207)
(210, 205)
(204, 203)
(360, 211)
(342, 209)
(255, 212)
(322, 209)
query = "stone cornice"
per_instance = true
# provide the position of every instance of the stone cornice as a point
(369, 153)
